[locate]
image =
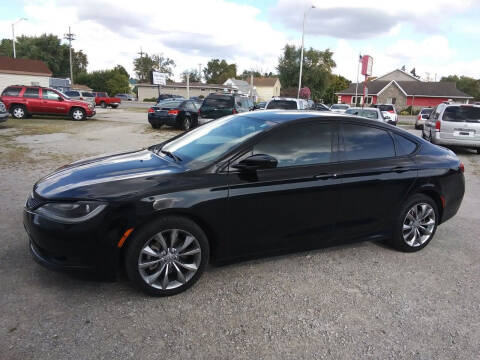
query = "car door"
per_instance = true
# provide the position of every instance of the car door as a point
(53, 103)
(375, 180)
(191, 110)
(32, 99)
(294, 205)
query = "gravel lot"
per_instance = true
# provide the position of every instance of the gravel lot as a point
(350, 302)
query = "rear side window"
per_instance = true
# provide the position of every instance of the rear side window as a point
(302, 144)
(11, 91)
(364, 142)
(219, 102)
(461, 114)
(404, 146)
(87, 94)
(31, 93)
(282, 104)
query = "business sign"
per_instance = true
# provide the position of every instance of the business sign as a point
(159, 78)
(367, 63)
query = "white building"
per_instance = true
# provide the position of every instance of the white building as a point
(23, 72)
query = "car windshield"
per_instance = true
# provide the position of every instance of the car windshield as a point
(385, 107)
(282, 104)
(340, 106)
(201, 146)
(462, 114)
(219, 102)
(65, 96)
(170, 104)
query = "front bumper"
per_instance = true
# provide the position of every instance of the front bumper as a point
(4, 116)
(91, 113)
(83, 246)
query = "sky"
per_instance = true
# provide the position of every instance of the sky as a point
(436, 37)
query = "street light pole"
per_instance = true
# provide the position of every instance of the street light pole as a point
(13, 35)
(301, 51)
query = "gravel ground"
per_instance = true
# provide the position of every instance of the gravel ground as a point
(349, 302)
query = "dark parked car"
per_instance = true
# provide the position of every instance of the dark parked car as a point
(3, 112)
(183, 114)
(162, 97)
(245, 185)
(217, 105)
(260, 105)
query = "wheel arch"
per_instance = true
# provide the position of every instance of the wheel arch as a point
(432, 192)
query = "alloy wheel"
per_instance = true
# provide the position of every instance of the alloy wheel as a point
(77, 114)
(18, 112)
(418, 225)
(169, 259)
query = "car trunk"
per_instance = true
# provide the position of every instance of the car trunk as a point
(461, 122)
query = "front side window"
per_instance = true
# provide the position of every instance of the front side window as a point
(31, 93)
(299, 144)
(50, 95)
(72, 93)
(365, 142)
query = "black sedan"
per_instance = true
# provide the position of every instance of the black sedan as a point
(182, 114)
(244, 185)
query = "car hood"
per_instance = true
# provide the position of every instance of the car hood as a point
(77, 102)
(119, 175)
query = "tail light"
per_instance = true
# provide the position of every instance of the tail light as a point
(172, 112)
(419, 117)
(234, 111)
(461, 167)
(151, 110)
(391, 111)
(437, 125)
(81, 98)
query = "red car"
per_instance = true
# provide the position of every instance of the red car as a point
(102, 99)
(22, 101)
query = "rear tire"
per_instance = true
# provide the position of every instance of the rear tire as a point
(18, 111)
(114, 106)
(478, 151)
(167, 256)
(156, 126)
(186, 124)
(414, 229)
(103, 105)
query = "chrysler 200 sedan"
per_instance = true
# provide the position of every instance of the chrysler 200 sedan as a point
(244, 185)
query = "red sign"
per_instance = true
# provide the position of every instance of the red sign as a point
(367, 63)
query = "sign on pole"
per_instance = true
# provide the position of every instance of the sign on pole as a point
(159, 78)
(367, 63)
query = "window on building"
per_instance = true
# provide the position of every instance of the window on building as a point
(368, 100)
(391, 100)
(35, 83)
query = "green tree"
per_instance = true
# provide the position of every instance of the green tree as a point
(113, 81)
(143, 65)
(217, 72)
(336, 83)
(50, 50)
(195, 75)
(317, 69)
(466, 84)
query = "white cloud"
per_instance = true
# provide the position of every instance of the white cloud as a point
(191, 32)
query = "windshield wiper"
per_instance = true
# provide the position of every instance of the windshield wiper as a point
(172, 155)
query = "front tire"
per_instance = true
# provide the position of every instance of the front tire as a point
(167, 256)
(103, 105)
(18, 112)
(78, 114)
(416, 224)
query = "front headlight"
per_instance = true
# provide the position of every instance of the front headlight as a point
(71, 213)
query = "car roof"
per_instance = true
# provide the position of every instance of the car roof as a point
(284, 116)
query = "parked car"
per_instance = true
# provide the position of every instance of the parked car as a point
(390, 109)
(260, 105)
(23, 101)
(285, 103)
(422, 116)
(369, 113)
(339, 108)
(454, 125)
(183, 114)
(102, 99)
(321, 107)
(81, 95)
(3, 112)
(168, 96)
(126, 97)
(217, 105)
(245, 185)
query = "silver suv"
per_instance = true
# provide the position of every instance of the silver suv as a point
(86, 96)
(455, 125)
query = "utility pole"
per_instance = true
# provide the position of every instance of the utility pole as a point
(141, 52)
(301, 52)
(200, 72)
(70, 37)
(13, 35)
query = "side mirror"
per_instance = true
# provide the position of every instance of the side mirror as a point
(60, 98)
(256, 162)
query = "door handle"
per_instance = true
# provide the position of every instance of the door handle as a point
(325, 176)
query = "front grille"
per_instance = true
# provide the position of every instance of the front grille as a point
(2, 107)
(33, 202)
